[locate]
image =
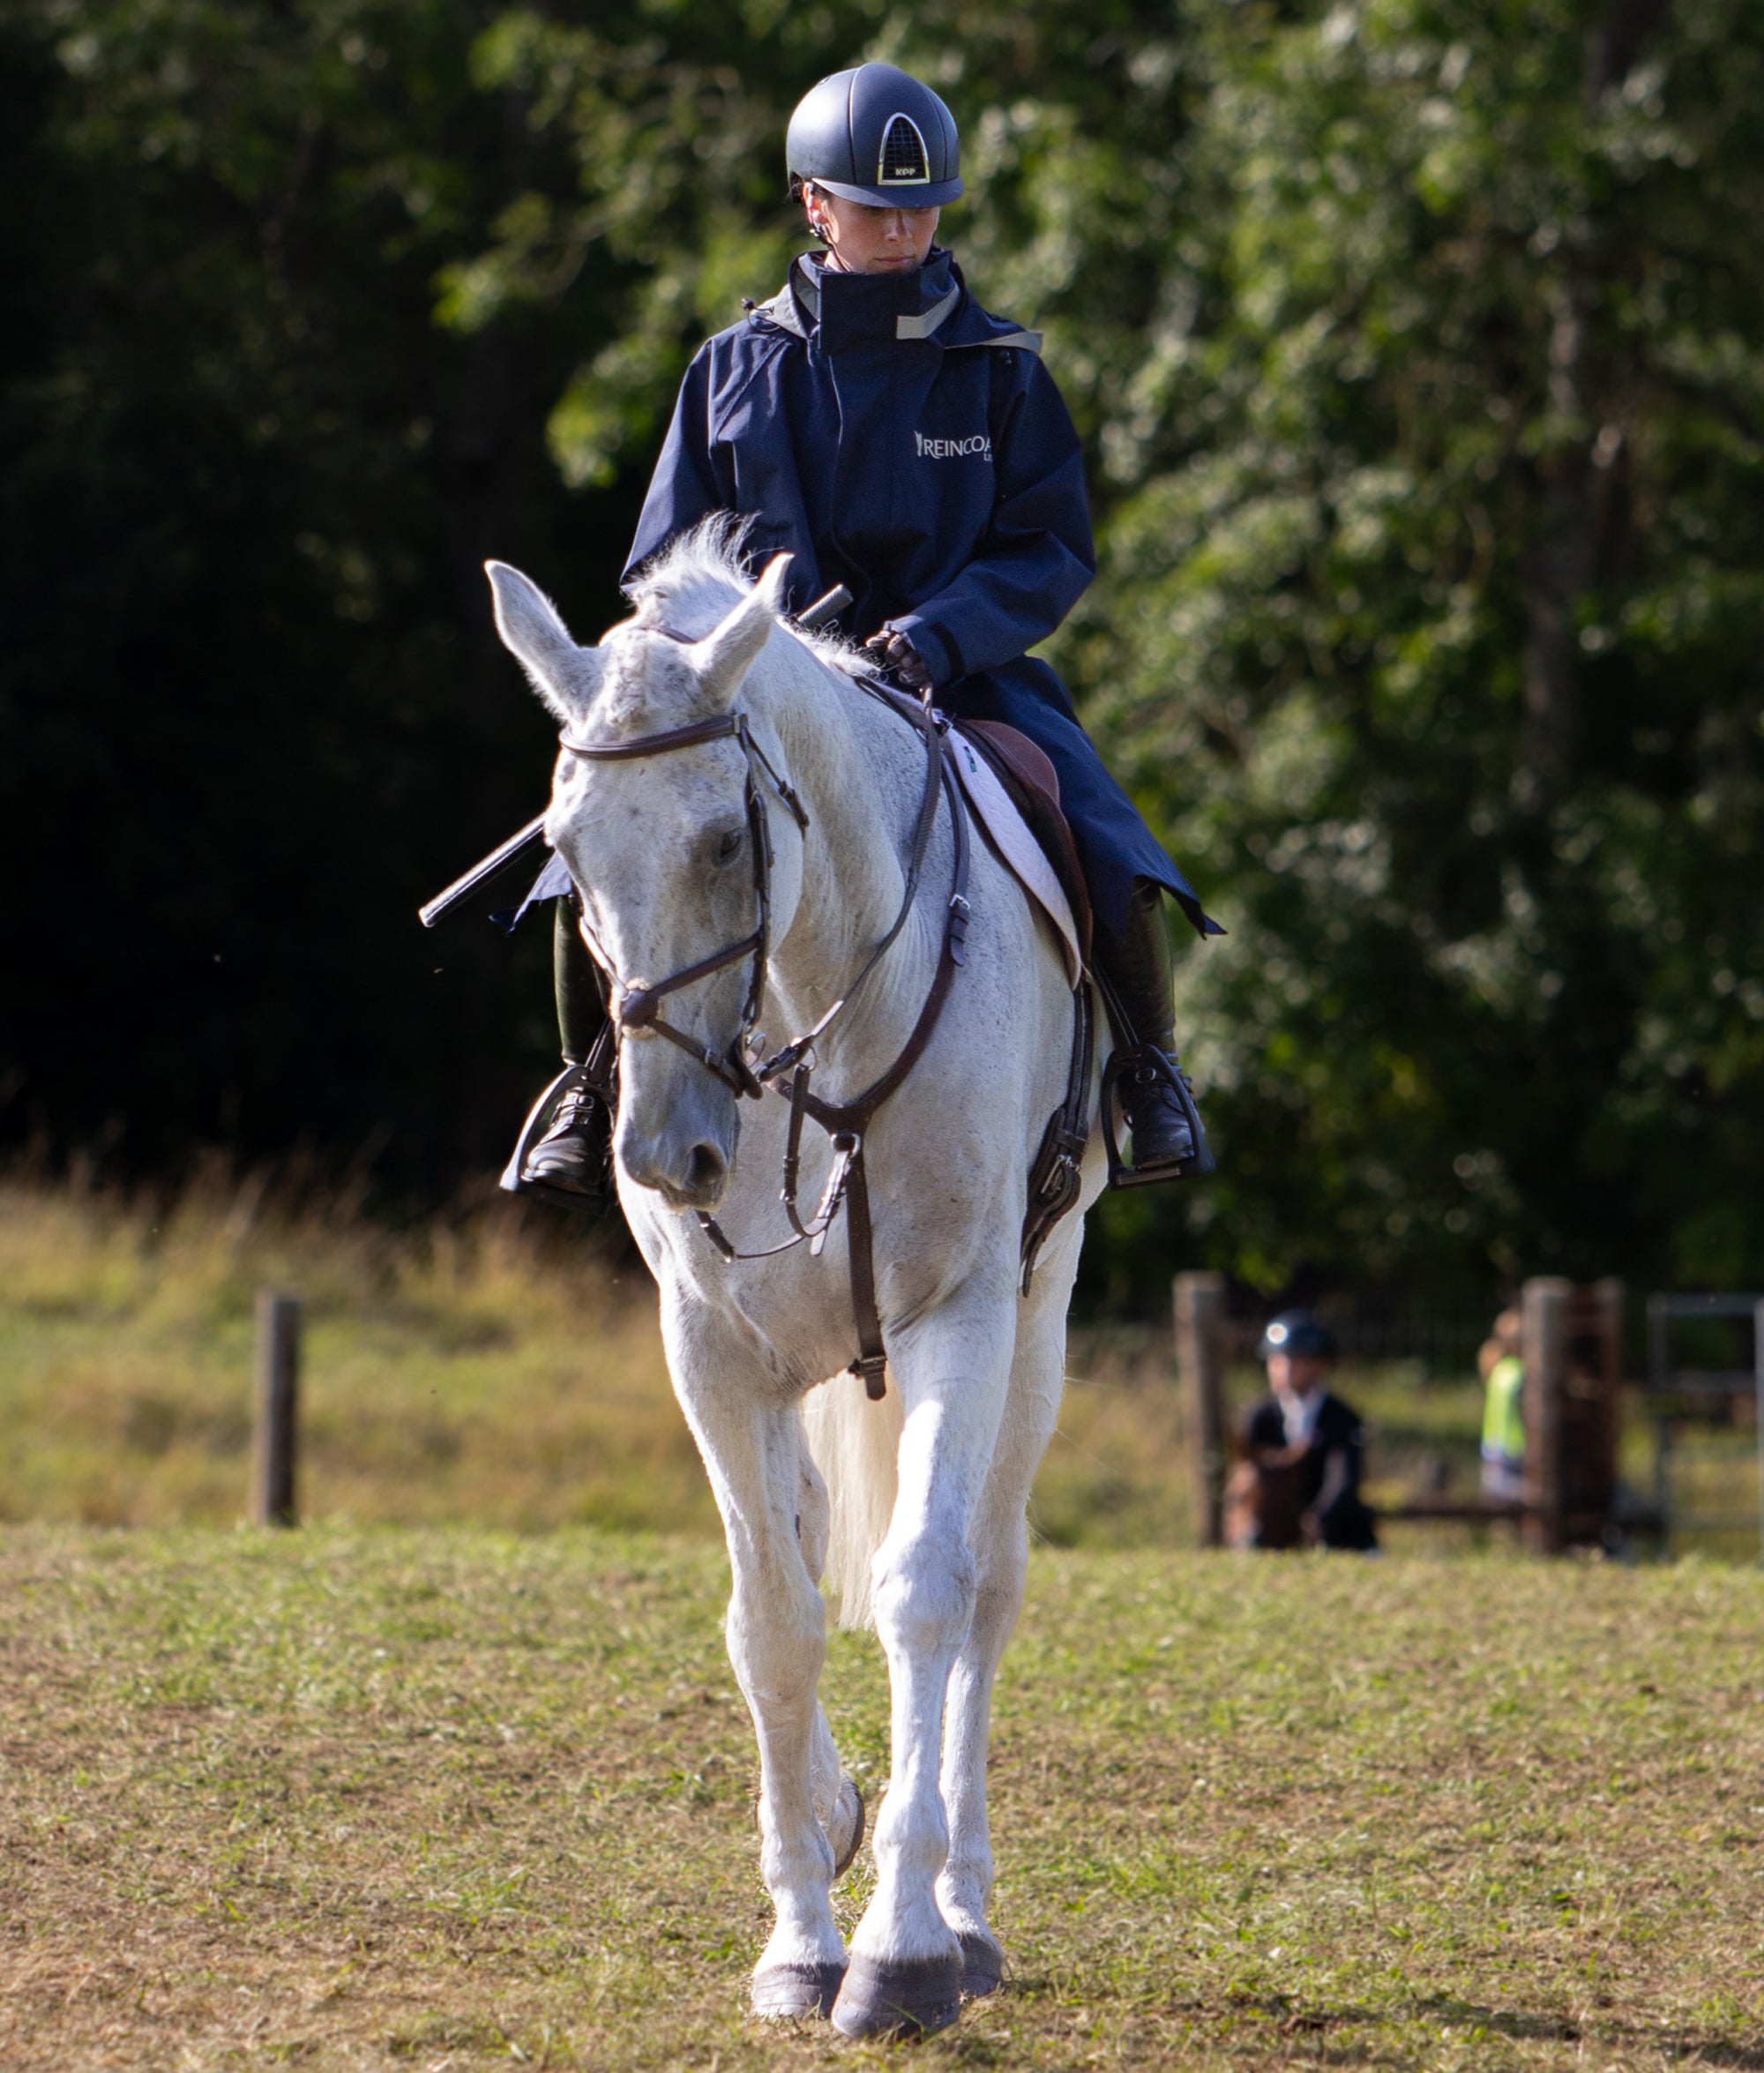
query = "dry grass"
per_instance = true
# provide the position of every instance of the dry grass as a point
(492, 1368)
(352, 1800)
(480, 1369)
(396, 1791)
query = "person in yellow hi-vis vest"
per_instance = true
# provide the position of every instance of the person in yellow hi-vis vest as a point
(1502, 1373)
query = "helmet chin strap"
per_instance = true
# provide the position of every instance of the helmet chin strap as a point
(820, 224)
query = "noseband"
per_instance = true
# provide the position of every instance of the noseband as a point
(638, 1007)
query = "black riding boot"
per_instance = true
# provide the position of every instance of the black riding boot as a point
(574, 1158)
(1169, 1142)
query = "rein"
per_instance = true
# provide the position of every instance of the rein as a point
(638, 1007)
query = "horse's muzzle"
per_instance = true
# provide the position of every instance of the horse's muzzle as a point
(695, 1182)
(687, 1153)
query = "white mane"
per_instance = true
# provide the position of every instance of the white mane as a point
(700, 576)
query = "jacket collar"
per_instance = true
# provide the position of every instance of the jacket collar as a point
(870, 309)
(932, 304)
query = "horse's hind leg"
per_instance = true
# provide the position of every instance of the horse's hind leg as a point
(752, 1450)
(952, 1367)
(1001, 1547)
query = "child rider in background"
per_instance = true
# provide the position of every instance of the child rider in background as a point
(1301, 1428)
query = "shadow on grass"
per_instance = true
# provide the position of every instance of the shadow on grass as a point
(1297, 2020)
(1671, 2044)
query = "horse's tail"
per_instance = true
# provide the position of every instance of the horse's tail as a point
(856, 1445)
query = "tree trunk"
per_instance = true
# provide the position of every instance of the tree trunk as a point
(1576, 473)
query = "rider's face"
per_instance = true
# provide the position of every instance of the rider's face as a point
(1294, 1375)
(864, 240)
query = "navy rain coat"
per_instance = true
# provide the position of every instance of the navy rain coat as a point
(889, 434)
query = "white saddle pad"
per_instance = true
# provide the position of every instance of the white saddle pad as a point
(1017, 849)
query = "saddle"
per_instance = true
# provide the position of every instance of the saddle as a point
(1033, 785)
(1018, 808)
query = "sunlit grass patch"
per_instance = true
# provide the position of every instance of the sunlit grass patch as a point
(492, 1366)
(482, 1371)
(484, 1367)
(353, 1798)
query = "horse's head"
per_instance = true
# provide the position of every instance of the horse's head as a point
(661, 846)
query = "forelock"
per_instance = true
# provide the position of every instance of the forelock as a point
(647, 685)
(700, 576)
(696, 581)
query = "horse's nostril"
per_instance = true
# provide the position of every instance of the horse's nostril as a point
(705, 1168)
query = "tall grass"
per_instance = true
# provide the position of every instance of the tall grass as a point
(478, 1368)
(491, 1367)
(487, 1367)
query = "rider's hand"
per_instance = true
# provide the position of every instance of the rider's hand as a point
(897, 654)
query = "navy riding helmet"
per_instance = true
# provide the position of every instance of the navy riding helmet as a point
(876, 135)
(1298, 1331)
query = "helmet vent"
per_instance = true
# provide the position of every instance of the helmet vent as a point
(903, 161)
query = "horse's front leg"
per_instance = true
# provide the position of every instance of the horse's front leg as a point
(1001, 1549)
(749, 1435)
(951, 1368)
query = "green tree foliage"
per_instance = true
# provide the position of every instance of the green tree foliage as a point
(1432, 621)
(251, 706)
(1416, 347)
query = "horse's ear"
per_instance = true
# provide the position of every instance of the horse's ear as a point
(723, 658)
(566, 676)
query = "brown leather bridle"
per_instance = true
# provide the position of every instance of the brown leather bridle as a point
(636, 1007)
(639, 1006)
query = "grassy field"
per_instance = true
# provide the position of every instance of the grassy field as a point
(457, 1776)
(362, 1799)
(485, 1368)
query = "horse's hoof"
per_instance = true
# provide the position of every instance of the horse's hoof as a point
(845, 1830)
(910, 1998)
(983, 1965)
(782, 1991)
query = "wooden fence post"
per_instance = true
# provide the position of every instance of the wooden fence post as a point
(1199, 1302)
(1545, 1306)
(1758, 1383)
(1604, 1308)
(276, 1424)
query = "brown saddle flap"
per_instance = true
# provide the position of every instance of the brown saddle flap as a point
(1033, 786)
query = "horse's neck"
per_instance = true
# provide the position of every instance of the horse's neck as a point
(861, 771)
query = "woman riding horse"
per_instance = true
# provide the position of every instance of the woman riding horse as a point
(876, 423)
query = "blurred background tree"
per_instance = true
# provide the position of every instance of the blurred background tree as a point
(1416, 347)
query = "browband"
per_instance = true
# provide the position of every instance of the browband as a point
(654, 745)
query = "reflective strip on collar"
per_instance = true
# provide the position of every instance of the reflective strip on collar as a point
(924, 328)
(784, 311)
(1030, 341)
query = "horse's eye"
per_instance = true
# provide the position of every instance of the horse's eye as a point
(730, 848)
